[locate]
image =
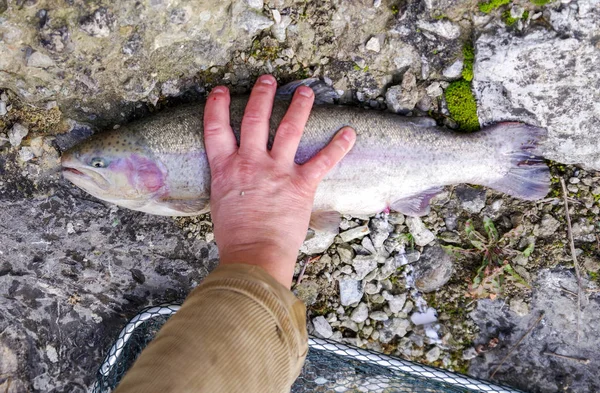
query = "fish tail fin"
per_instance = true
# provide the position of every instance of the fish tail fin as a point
(529, 176)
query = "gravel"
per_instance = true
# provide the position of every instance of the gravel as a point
(354, 233)
(360, 313)
(17, 133)
(351, 291)
(322, 327)
(434, 269)
(421, 234)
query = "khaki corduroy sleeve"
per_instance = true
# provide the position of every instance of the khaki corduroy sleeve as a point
(238, 331)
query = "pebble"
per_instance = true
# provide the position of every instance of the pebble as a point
(346, 253)
(379, 316)
(25, 154)
(547, 227)
(443, 28)
(364, 265)
(360, 313)
(396, 303)
(319, 243)
(307, 291)
(39, 60)
(469, 354)
(367, 330)
(412, 256)
(256, 4)
(402, 99)
(372, 288)
(354, 233)
(454, 71)
(380, 230)
(434, 90)
(377, 299)
(574, 180)
(421, 234)
(3, 110)
(351, 291)
(433, 354)
(392, 328)
(348, 324)
(322, 327)
(367, 244)
(17, 133)
(396, 218)
(471, 199)
(373, 45)
(252, 22)
(433, 270)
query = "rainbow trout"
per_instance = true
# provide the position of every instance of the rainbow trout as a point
(158, 165)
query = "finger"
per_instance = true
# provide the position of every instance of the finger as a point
(255, 123)
(291, 127)
(318, 166)
(218, 136)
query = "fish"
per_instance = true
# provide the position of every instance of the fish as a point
(158, 165)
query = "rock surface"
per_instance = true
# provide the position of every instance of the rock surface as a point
(547, 77)
(433, 270)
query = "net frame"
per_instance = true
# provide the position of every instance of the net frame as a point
(430, 379)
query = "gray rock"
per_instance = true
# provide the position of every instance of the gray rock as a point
(507, 79)
(442, 28)
(454, 71)
(253, 23)
(396, 303)
(354, 233)
(471, 199)
(402, 99)
(367, 244)
(17, 133)
(373, 45)
(25, 154)
(433, 354)
(380, 231)
(364, 265)
(389, 267)
(99, 23)
(318, 243)
(351, 291)
(348, 324)
(307, 291)
(345, 252)
(584, 232)
(256, 4)
(433, 270)
(3, 110)
(547, 227)
(378, 316)
(396, 218)
(360, 313)
(421, 234)
(322, 327)
(392, 328)
(40, 60)
(412, 256)
(434, 90)
(372, 288)
(519, 307)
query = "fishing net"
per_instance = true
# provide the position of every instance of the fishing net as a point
(329, 367)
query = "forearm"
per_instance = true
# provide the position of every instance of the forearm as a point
(239, 331)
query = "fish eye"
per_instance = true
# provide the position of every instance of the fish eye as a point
(98, 162)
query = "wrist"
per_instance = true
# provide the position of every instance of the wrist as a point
(278, 261)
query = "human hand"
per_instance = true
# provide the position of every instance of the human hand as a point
(261, 200)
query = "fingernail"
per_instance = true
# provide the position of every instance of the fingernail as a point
(347, 134)
(219, 89)
(305, 92)
(267, 80)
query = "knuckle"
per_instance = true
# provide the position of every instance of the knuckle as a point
(212, 127)
(253, 118)
(288, 130)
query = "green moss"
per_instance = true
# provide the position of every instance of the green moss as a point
(525, 15)
(508, 19)
(395, 10)
(541, 2)
(468, 58)
(462, 105)
(491, 5)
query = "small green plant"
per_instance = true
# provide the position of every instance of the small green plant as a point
(462, 105)
(495, 251)
(468, 59)
(508, 19)
(408, 239)
(395, 9)
(541, 2)
(525, 15)
(491, 5)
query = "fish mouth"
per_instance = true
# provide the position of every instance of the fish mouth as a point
(85, 179)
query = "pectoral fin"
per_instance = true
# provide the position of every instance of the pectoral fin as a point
(325, 221)
(416, 205)
(186, 206)
(324, 94)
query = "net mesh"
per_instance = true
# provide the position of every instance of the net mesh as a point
(330, 366)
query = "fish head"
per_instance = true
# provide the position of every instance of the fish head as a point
(115, 167)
